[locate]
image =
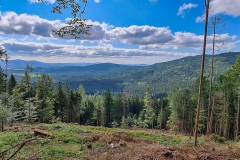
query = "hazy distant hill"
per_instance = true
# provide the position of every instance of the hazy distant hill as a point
(94, 69)
(90, 69)
(161, 77)
(19, 64)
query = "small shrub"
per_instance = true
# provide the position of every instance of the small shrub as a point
(45, 141)
(114, 124)
(52, 151)
(97, 145)
(57, 127)
(82, 146)
(67, 137)
(217, 138)
(237, 138)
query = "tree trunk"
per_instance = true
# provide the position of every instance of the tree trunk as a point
(201, 74)
(211, 118)
(209, 124)
(237, 122)
(2, 126)
(183, 117)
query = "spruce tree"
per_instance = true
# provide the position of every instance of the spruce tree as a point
(149, 110)
(117, 110)
(107, 111)
(125, 108)
(44, 98)
(11, 83)
(60, 104)
(81, 102)
(98, 111)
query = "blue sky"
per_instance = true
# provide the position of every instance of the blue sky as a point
(123, 31)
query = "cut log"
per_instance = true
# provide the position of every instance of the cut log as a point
(43, 133)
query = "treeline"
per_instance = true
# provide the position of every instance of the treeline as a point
(42, 102)
(160, 77)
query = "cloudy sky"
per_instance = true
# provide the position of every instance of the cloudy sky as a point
(123, 31)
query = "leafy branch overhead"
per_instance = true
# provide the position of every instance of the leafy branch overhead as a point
(76, 26)
(3, 54)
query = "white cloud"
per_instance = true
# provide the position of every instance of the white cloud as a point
(147, 41)
(185, 7)
(25, 24)
(153, 0)
(68, 19)
(184, 40)
(97, 1)
(140, 34)
(227, 7)
(48, 1)
(71, 53)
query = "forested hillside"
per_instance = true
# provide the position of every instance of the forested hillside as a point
(181, 73)
(36, 98)
(160, 77)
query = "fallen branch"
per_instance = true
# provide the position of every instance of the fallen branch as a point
(19, 144)
(196, 151)
(32, 156)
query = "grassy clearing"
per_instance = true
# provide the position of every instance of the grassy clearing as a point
(8, 139)
(87, 142)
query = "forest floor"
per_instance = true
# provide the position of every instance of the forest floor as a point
(72, 142)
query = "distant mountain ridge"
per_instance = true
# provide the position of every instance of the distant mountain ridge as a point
(19, 64)
(160, 77)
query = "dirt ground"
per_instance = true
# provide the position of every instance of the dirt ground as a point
(123, 146)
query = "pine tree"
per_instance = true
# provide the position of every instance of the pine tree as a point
(125, 109)
(88, 111)
(23, 94)
(44, 98)
(3, 80)
(11, 84)
(28, 85)
(149, 110)
(4, 110)
(18, 103)
(107, 111)
(163, 114)
(67, 92)
(60, 104)
(117, 110)
(71, 108)
(180, 109)
(98, 111)
(81, 102)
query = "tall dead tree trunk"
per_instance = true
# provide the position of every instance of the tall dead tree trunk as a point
(237, 121)
(207, 2)
(3, 53)
(209, 124)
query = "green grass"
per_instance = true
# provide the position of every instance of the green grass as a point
(162, 139)
(8, 139)
(71, 140)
